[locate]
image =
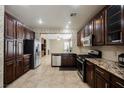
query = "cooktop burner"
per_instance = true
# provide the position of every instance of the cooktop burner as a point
(91, 54)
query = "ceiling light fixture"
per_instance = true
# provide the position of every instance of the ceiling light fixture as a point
(69, 22)
(67, 27)
(40, 21)
(73, 14)
(66, 31)
(58, 39)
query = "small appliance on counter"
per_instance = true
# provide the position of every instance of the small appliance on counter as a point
(121, 60)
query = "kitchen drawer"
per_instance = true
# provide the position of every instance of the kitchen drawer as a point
(26, 59)
(26, 68)
(27, 56)
(116, 82)
(102, 73)
(26, 62)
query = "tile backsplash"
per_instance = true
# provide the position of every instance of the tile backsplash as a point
(108, 52)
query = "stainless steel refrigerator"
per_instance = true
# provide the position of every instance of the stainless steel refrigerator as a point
(33, 47)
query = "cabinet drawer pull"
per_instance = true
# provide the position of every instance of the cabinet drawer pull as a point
(120, 84)
(99, 71)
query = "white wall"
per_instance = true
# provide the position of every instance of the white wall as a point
(56, 46)
(1, 44)
(47, 46)
(75, 49)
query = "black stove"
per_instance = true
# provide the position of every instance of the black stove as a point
(81, 62)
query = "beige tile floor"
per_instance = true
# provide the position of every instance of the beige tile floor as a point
(46, 76)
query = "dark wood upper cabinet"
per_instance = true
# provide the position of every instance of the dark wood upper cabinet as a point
(86, 31)
(107, 26)
(9, 50)
(19, 48)
(28, 34)
(32, 35)
(99, 29)
(114, 24)
(90, 27)
(79, 36)
(19, 30)
(10, 24)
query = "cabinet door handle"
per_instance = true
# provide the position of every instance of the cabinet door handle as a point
(99, 71)
(120, 84)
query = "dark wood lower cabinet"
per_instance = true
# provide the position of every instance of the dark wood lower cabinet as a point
(100, 78)
(19, 67)
(100, 82)
(68, 60)
(116, 82)
(9, 71)
(13, 69)
(90, 74)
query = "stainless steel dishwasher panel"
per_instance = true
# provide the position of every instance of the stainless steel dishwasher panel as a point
(56, 60)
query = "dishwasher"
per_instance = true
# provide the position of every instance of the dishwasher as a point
(56, 60)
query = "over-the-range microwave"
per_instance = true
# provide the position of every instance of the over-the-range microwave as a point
(87, 41)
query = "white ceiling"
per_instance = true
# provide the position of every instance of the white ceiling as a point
(53, 16)
(57, 36)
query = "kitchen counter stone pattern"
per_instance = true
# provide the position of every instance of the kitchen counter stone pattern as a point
(109, 66)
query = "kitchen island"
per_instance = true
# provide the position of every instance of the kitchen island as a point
(63, 60)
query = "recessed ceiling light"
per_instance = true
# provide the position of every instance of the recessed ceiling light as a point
(58, 39)
(73, 14)
(66, 31)
(67, 26)
(40, 21)
(69, 22)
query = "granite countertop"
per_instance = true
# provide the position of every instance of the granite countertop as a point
(109, 66)
(63, 53)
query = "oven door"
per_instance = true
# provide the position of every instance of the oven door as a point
(81, 69)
